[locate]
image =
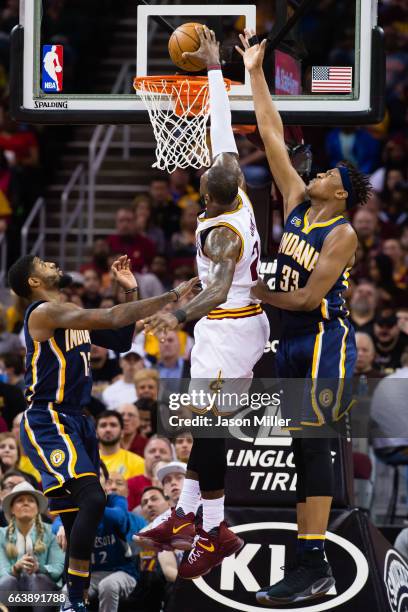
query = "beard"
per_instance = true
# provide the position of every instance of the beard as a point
(64, 281)
(111, 442)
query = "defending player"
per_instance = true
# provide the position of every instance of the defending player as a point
(58, 438)
(316, 253)
(228, 248)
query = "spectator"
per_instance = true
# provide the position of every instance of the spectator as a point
(157, 570)
(381, 273)
(401, 542)
(394, 156)
(172, 477)
(393, 250)
(147, 384)
(91, 295)
(355, 145)
(9, 343)
(159, 267)
(104, 369)
(100, 260)
(7, 483)
(183, 444)
(14, 370)
(365, 357)
(389, 342)
(366, 225)
(363, 305)
(402, 318)
(9, 452)
(147, 415)
(30, 558)
(157, 449)
(390, 416)
(24, 463)
(183, 243)
(109, 431)
(123, 390)
(166, 214)
(180, 187)
(140, 249)
(131, 439)
(171, 366)
(142, 207)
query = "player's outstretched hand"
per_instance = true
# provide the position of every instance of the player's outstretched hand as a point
(122, 273)
(253, 55)
(261, 291)
(209, 51)
(160, 323)
(191, 286)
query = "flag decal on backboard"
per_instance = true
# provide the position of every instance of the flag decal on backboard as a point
(332, 79)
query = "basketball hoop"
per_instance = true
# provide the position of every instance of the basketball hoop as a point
(178, 108)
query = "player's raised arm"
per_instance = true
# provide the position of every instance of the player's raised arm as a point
(53, 315)
(270, 125)
(337, 254)
(223, 248)
(223, 145)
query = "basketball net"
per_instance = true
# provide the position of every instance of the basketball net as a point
(178, 108)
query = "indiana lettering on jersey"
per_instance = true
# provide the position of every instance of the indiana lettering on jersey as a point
(299, 250)
(76, 337)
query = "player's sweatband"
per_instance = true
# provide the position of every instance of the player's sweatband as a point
(254, 40)
(222, 136)
(180, 315)
(214, 67)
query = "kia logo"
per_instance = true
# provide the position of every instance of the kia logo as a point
(236, 573)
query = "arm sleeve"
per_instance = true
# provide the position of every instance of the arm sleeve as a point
(119, 340)
(222, 136)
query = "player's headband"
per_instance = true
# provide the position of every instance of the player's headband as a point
(345, 179)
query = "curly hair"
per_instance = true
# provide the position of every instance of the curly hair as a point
(360, 183)
(11, 536)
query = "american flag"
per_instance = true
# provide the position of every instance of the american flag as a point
(332, 79)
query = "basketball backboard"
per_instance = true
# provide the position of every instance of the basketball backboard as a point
(329, 69)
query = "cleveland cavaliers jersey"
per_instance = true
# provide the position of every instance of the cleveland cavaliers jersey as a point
(58, 369)
(299, 251)
(241, 221)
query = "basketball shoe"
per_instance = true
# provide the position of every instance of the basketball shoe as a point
(310, 578)
(175, 533)
(210, 549)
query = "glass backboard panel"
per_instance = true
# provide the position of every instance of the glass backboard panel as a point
(81, 57)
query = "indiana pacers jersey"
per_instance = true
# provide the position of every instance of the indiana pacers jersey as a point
(242, 222)
(58, 370)
(299, 251)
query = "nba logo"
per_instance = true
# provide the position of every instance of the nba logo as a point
(52, 68)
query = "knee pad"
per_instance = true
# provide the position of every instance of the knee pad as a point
(88, 494)
(208, 460)
(318, 467)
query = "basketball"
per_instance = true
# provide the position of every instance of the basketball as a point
(184, 39)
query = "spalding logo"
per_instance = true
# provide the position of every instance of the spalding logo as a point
(396, 580)
(358, 583)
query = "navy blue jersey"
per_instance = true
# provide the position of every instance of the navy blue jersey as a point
(298, 254)
(58, 370)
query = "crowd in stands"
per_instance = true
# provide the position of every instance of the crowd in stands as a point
(142, 472)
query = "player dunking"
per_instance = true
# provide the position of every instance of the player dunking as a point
(315, 255)
(228, 248)
(59, 439)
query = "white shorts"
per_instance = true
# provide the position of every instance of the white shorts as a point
(225, 353)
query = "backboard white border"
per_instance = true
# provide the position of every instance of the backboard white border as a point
(239, 101)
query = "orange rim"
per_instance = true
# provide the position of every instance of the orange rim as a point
(188, 88)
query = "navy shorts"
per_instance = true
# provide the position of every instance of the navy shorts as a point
(323, 362)
(61, 446)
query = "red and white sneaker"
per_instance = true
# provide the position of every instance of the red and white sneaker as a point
(175, 533)
(209, 551)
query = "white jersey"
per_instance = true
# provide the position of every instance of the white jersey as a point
(242, 222)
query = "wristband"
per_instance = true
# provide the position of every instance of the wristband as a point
(134, 290)
(176, 293)
(214, 67)
(180, 315)
(254, 40)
